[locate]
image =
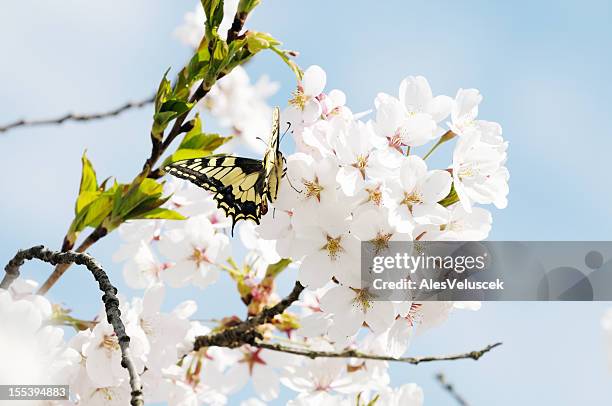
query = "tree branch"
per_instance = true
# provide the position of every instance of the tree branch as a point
(78, 117)
(475, 355)
(111, 303)
(59, 270)
(451, 390)
(237, 25)
(245, 332)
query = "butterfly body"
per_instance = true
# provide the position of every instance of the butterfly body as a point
(242, 187)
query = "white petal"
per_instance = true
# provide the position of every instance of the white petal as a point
(410, 394)
(432, 213)
(314, 80)
(266, 382)
(312, 111)
(315, 270)
(436, 186)
(380, 316)
(413, 168)
(439, 108)
(337, 300)
(180, 274)
(415, 93)
(346, 324)
(349, 179)
(338, 98)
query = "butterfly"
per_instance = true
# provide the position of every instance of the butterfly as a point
(242, 187)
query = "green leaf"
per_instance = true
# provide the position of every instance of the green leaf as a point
(196, 129)
(182, 154)
(84, 199)
(257, 41)
(93, 213)
(220, 52)
(256, 44)
(169, 110)
(203, 145)
(89, 182)
(246, 6)
(451, 198)
(147, 189)
(168, 106)
(195, 70)
(214, 14)
(274, 269)
(88, 187)
(161, 214)
(164, 89)
(204, 142)
(146, 206)
(176, 106)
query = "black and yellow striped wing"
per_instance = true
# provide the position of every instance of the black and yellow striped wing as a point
(238, 184)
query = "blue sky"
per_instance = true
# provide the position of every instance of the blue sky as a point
(542, 67)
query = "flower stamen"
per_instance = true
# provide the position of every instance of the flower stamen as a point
(313, 189)
(333, 247)
(299, 99)
(363, 300)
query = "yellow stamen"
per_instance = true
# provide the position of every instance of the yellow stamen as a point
(199, 256)
(411, 199)
(299, 99)
(374, 195)
(361, 164)
(363, 300)
(381, 242)
(333, 247)
(110, 343)
(313, 188)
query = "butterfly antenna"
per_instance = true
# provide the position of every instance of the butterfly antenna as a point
(262, 140)
(286, 131)
(293, 187)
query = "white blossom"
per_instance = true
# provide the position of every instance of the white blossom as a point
(194, 248)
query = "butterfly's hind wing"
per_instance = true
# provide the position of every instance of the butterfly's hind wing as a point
(237, 183)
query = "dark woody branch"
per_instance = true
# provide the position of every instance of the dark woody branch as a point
(111, 303)
(246, 333)
(78, 117)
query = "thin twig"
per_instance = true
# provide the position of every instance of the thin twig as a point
(237, 25)
(475, 355)
(111, 303)
(451, 390)
(245, 332)
(78, 117)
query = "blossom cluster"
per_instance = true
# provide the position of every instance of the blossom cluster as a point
(352, 178)
(161, 345)
(352, 181)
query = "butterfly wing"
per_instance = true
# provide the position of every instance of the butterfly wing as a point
(238, 184)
